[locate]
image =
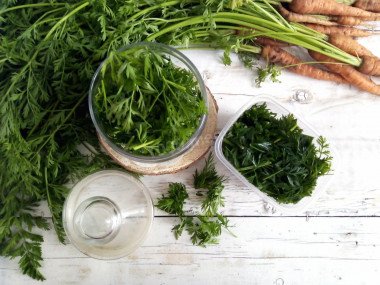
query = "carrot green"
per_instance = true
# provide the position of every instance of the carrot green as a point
(147, 105)
(206, 228)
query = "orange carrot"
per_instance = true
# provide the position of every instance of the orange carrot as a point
(375, 17)
(368, 5)
(326, 7)
(349, 45)
(301, 18)
(278, 55)
(347, 20)
(333, 30)
(370, 65)
(262, 40)
(353, 76)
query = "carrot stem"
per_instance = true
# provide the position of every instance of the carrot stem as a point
(273, 30)
(36, 5)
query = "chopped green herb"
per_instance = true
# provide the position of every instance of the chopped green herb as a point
(203, 229)
(275, 155)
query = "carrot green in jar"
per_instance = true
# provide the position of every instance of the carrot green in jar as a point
(146, 104)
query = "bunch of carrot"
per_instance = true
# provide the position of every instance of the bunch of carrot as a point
(336, 21)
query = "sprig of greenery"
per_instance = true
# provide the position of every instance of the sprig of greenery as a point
(271, 70)
(16, 238)
(206, 230)
(249, 60)
(203, 229)
(185, 222)
(173, 204)
(209, 179)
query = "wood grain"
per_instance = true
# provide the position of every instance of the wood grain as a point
(266, 251)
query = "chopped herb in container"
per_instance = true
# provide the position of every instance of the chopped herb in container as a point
(275, 155)
(267, 149)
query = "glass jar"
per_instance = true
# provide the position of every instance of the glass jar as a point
(108, 214)
(179, 61)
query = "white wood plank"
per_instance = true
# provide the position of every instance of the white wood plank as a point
(266, 251)
(349, 123)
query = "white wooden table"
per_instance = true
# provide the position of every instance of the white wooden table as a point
(337, 241)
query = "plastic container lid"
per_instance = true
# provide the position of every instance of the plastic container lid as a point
(274, 106)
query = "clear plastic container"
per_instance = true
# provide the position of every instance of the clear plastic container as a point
(274, 106)
(180, 61)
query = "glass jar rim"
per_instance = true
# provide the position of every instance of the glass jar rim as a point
(174, 153)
